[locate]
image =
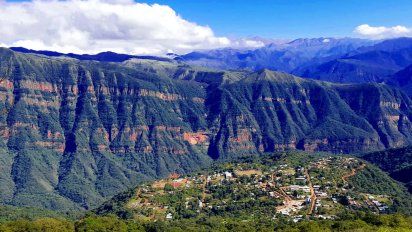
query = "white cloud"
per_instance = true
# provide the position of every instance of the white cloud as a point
(96, 25)
(381, 32)
(247, 43)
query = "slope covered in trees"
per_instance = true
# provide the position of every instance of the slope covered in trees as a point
(397, 162)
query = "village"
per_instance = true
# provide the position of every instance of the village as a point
(319, 189)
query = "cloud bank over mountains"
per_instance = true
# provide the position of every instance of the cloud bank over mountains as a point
(381, 32)
(95, 26)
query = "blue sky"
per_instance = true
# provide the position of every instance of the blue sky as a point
(181, 26)
(291, 18)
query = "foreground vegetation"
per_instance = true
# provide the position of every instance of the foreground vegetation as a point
(348, 222)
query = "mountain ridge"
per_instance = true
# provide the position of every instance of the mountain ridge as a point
(375, 63)
(283, 57)
(77, 132)
(107, 56)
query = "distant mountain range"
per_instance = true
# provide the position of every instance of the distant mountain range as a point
(402, 79)
(344, 60)
(335, 60)
(374, 63)
(282, 57)
(278, 56)
(103, 56)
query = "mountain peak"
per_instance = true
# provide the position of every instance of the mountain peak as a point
(277, 76)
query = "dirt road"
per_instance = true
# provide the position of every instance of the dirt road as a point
(312, 193)
(353, 172)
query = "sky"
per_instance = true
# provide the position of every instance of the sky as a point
(292, 18)
(160, 26)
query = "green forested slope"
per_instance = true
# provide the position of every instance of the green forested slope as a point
(397, 162)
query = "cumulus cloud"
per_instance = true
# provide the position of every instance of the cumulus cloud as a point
(381, 32)
(99, 25)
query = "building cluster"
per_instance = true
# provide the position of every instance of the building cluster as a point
(317, 189)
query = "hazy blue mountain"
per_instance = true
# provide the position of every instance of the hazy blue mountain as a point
(344, 60)
(374, 63)
(402, 79)
(284, 57)
(389, 45)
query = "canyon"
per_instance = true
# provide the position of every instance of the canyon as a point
(74, 133)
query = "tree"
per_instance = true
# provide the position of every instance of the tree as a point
(168, 188)
(101, 224)
(40, 225)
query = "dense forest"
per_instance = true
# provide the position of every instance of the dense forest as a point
(397, 162)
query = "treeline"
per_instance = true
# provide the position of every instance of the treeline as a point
(348, 222)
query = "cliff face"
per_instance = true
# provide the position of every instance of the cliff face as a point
(74, 133)
(79, 132)
(278, 111)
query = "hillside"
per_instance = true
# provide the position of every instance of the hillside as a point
(397, 162)
(292, 185)
(74, 133)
